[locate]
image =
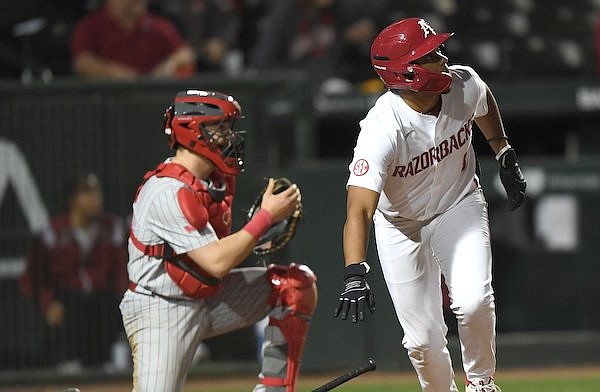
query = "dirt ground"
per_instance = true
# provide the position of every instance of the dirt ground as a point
(207, 383)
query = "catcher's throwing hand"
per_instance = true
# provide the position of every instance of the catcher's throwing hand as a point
(280, 204)
(283, 200)
(356, 294)
(512, 178)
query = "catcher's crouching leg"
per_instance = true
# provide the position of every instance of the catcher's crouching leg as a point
(294, 300)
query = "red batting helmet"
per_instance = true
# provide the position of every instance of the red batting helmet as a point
(397, 47)
(186, 125)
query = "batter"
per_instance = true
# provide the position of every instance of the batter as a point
(414, 174)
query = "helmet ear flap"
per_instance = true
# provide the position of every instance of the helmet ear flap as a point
(408, 73)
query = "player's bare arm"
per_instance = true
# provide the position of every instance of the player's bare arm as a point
(491, 125)
(356, 296)
(360, 206)
(220, 257)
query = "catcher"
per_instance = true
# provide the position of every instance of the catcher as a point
(184, 285)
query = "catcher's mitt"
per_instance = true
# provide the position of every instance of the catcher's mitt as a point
(281, 233)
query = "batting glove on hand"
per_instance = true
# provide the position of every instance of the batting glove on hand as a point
(512, 178)
(356, 294)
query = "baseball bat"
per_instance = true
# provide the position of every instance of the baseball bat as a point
(368, 366)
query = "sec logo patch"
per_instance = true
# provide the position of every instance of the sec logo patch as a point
(361, 167)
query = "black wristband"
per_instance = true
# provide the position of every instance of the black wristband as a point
(359, 269)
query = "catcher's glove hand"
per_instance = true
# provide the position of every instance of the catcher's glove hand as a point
(281, 233)
(512, 178)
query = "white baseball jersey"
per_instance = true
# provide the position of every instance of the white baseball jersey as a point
(420, 164)
(157, 218)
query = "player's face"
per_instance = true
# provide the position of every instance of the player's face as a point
(436, 60)
(221, 134)
(434, 56)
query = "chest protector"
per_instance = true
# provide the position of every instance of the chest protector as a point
(200, 204)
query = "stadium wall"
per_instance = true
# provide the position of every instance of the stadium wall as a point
(546, 296)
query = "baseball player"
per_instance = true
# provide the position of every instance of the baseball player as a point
(184, 286)
(414, 174)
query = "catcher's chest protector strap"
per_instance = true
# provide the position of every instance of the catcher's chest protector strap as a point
(193, 280)
(216, 198)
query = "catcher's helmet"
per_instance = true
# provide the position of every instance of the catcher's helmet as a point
(186, 124)
(397, 47)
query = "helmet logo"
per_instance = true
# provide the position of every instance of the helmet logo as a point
(426, 28)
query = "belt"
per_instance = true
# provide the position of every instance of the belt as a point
(144, 291)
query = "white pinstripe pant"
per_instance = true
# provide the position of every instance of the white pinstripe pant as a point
(164, 333)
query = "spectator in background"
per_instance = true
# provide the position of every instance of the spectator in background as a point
(210, 26)
(123, 40)
(76, 274)
(324, 36)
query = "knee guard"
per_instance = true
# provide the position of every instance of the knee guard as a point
(294, 299)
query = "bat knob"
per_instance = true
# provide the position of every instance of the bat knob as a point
(371, 364)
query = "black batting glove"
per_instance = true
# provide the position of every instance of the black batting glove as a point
(356, 294)
(512, 178)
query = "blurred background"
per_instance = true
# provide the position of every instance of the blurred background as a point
(301, 71)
